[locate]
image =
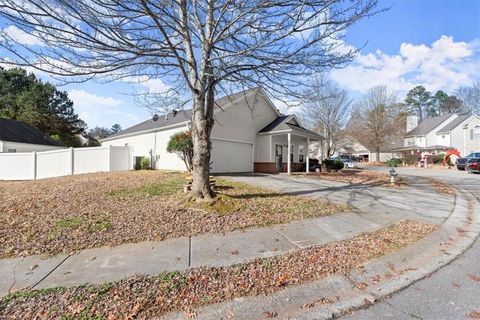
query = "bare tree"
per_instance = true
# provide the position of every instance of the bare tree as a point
(200, 48)
(470, 97)
(373, 123)
(326, 110)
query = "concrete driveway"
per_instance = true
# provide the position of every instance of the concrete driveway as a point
(417, 200)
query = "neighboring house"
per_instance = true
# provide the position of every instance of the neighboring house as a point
(17, 136)
(367, 153)
(439, 134)
(248, 135)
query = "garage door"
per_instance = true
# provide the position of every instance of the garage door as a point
(230, 156)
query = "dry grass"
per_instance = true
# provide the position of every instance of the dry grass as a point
(357, 176)
(442, 187)
(76, 212)
(149, 296)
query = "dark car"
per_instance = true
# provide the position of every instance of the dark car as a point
(473, 165)
(461, 162)
(315, 167)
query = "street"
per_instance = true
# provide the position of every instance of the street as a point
(453, 292)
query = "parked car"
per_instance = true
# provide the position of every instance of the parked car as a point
(315, 167)
(461, 162)
(350, 164)
(473, 165)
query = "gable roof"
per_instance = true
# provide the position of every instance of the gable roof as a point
(428, 125)
(17, 131)
(454, 123)
(179, 117)
(288, 123)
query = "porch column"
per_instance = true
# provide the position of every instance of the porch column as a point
(308, 155)
(288, 153)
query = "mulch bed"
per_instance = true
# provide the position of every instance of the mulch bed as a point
(77, 212)
(148, 296)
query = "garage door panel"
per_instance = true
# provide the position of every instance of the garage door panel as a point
(228, 156)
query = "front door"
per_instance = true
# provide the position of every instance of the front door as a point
(278, 157)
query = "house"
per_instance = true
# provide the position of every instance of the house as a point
(17, 136)
(439, 134)
(249, 135)
(368, 153)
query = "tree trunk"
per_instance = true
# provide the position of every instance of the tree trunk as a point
(202, 124)
(378, 155)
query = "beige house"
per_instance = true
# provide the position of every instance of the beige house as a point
(366, 153)
(249, 135)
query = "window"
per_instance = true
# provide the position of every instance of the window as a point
(475, 133)
(301, 156)
(443, 136)
(278, 150)
(12, 150)
(292, 152)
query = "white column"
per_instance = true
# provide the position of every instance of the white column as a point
(308, 155)
(288, 155)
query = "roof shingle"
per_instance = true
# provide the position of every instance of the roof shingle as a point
(427, 125)
(17, 131)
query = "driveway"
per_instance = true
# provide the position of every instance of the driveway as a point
(417, 200)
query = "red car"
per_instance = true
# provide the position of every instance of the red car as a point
(473, 165)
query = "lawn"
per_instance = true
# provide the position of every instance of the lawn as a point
(150, 296)
(76, 212)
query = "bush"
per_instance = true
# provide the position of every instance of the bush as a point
(145, 163)
(394, 162)
(181, 143)
(333, 164)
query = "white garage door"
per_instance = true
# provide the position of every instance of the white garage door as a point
(230, 156)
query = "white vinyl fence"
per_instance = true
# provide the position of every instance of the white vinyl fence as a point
(64, 162)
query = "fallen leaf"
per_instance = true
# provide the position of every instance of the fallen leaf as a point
(474, 277)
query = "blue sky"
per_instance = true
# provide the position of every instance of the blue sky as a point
(435, 43)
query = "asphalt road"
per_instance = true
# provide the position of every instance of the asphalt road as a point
(453, 292)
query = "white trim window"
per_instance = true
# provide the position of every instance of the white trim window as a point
(301, 153)
(476, 132)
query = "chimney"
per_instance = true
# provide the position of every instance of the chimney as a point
(412, 123)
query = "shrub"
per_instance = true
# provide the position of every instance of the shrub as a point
(333, 164)
(394, 162)
(181, 144)
(145, 163)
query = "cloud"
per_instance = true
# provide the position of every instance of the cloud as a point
(445, 65)
(21, 36)
(93, 108)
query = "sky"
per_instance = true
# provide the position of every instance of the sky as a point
(435, 43)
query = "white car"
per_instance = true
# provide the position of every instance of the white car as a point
(350, 164)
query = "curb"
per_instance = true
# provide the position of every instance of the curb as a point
(338, 295)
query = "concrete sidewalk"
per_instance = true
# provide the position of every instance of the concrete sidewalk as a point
(373, 208)
(107, 264)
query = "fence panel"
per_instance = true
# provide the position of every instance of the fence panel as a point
(120, 158)
(54, 163)
(17, 166)
(47, 164)
(88, 160)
